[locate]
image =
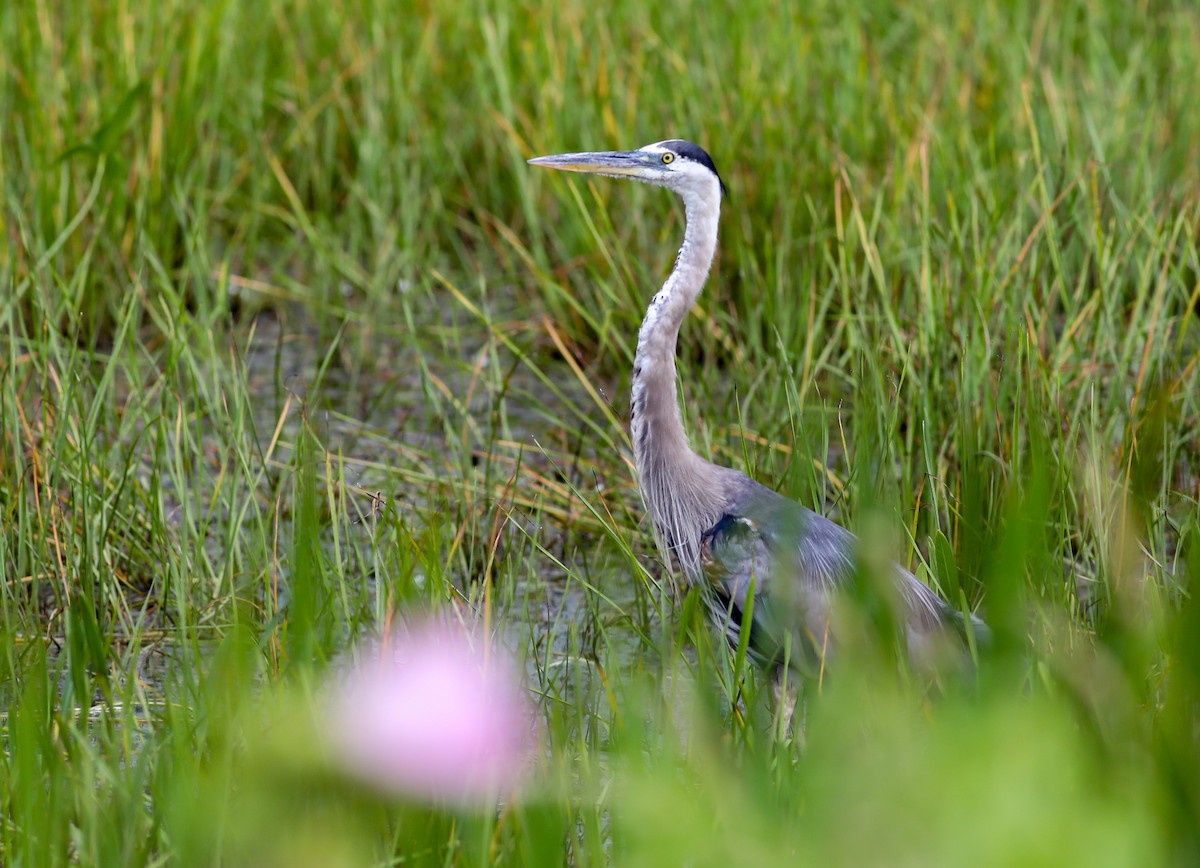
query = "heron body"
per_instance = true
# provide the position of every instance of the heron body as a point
(747, 546)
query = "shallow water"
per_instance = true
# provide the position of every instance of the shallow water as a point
(385, 436)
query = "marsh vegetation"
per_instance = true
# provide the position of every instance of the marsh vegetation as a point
(293, 342)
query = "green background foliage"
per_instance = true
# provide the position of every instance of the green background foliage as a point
(293, 341)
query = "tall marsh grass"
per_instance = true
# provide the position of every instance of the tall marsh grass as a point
(292, 343)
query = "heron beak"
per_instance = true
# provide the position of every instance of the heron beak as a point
(598, 162)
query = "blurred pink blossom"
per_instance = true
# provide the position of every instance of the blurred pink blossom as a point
(434, 712)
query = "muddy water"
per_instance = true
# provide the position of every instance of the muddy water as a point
(377, 419)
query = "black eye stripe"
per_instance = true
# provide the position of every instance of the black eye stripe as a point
(686, 150)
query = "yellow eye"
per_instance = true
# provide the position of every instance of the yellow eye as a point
(668, 158)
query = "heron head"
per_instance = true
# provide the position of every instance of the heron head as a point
(675, 164)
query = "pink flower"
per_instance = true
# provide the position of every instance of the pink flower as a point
(433, 712)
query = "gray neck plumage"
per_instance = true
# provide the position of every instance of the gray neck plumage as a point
(681, 490)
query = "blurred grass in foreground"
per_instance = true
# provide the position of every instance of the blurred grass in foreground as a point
(291, 340)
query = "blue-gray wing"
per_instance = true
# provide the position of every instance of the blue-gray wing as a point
(766, 565)
(791, 561)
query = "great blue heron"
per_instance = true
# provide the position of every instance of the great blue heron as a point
(741, 542)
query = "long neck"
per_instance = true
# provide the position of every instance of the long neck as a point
(680, 488)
